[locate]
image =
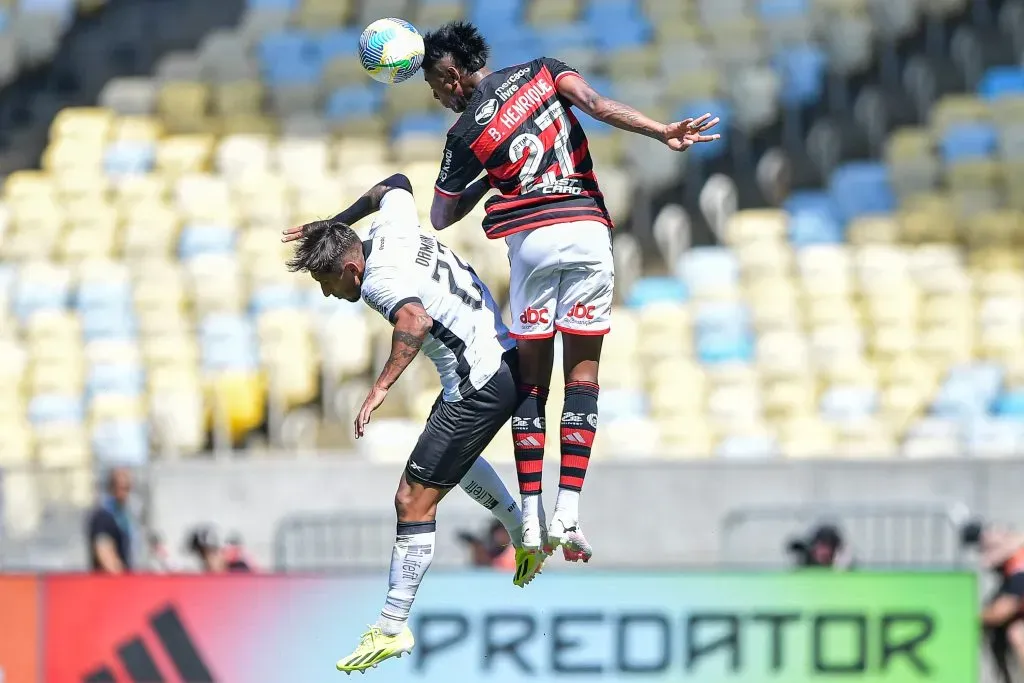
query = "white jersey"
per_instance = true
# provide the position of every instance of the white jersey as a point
(403, 265)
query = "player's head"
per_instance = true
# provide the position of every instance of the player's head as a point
(332, 253)
(454, 53)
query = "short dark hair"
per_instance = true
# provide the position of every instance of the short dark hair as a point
(459, 39)
(322, 246)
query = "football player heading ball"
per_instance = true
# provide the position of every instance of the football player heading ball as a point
(517, 128)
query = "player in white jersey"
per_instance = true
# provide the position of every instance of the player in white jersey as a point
(438, 305)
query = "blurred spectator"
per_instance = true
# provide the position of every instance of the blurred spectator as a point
(494, 549)
(824, 547)
(235, 557)
(1002, 552)
(159, 555)
(109, 527)
(213, 557)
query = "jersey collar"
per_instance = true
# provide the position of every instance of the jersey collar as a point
(367, 248)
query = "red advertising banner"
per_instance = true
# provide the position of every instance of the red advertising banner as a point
(19, 629)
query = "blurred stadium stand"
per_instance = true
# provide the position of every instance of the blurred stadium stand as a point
(840, 277)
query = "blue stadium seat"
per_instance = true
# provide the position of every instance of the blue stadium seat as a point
(63, 8)
(1001, 435)
(714, 348)
(519, 47)
(109, 323)
(621, 404)
(274, 4)
(1010, 404)
(1002, 80)
(291, 58)
(229, 355)
(115, 378)
(197, 240)
(719, 108)
(8, 274)
(861, 188)
(652, 290)
(813, 219)
(108, 295)
(493, 18)
(592, 126)
(722, 317)
(338, 43)
(848, 402)
(705, 268)
(128, 157)
(627, 33)
(801, 70)
(44, 408)
(555, 38)
(780, 10)
(39, 296)
(121, 442)
(421, 124)
(747, 447)
(968, 391)
(273, 298)
(354, 102)
(968, 141)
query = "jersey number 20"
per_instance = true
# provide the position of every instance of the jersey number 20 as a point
(476, 303)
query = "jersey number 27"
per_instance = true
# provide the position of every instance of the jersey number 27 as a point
(532, 147)
(477, 302)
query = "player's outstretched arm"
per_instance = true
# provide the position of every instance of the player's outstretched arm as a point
(361, 208)
(447, 211)
(412, 323)
(679, 136)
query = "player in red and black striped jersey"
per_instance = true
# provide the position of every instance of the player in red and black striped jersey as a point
(518, 131)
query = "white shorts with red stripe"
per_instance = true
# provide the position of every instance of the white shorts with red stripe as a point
(562, 279)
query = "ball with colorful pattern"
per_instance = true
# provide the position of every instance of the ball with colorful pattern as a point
(390, 50)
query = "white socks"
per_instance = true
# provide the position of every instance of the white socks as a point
(532, 504)
(410, 560)
(568, 504)
(483, 485)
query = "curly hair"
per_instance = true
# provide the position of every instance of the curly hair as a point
(460, 40)
(322, 246)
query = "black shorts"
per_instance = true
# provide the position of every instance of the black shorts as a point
(457, 433)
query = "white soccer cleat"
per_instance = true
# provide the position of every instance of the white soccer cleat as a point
(565, 532)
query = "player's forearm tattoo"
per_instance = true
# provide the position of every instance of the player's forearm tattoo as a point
(627, 118)
(404, 347)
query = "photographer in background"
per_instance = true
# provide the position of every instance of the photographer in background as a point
(206, 546)
(493, 549)
(1002, 552)
(823, 548)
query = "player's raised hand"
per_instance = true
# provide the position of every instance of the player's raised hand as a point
(372, 402)
(682, 135)
(292, 234)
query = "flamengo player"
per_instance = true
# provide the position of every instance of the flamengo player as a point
(437, 304)
(517, 127)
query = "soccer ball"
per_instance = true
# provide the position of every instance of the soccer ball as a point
(391, 50)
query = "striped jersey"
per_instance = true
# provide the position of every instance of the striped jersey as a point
(518, 130)
(468, 338)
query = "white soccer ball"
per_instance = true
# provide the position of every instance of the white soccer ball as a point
(391, 50)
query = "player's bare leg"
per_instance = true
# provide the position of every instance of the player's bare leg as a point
(536, 357)
(581, 355)
(416, 505)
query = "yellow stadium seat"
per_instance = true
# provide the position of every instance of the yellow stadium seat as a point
(873, 230)
(52, 325)
(829, 310)
(790, 397)
(436, 14)
(236, 403)
(243, 124)
(172, 377)
(633, 64)
(807, 437)
(205, 198)
(400, 101)
(343, 71)
(53, 376)
(183, 105)
(137, 129)
(215, 285)
(973, 175)
(71, 154)
(142, 189)
(677, 30)
(764, 260)
(151, 230)
(114, 407)
(953, 110)
(552, 11)
(322, 14)
(300, 158)
(239, 155)
(22, 506)
(79, 184)
(352, 151)
(908, 143)
(783, 353)
(866, 438)
(689, 438)
(62, 445)
(22, 185)
(16, 444)
(83, 123)
(944, 345)
(756, 225)
(292, 380)
(178, 420)
(994, 229)
(180, 154)
(239, 97)
(893, 339)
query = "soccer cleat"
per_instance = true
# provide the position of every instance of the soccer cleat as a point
(528, 565)
(535, 533)
(567, 534)
(374, 647)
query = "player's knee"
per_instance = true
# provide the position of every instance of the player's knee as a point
(415, 504)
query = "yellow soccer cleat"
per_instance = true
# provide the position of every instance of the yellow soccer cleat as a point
(374, 647)
(528, 565)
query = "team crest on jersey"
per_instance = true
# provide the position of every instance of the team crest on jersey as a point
(486, 112)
